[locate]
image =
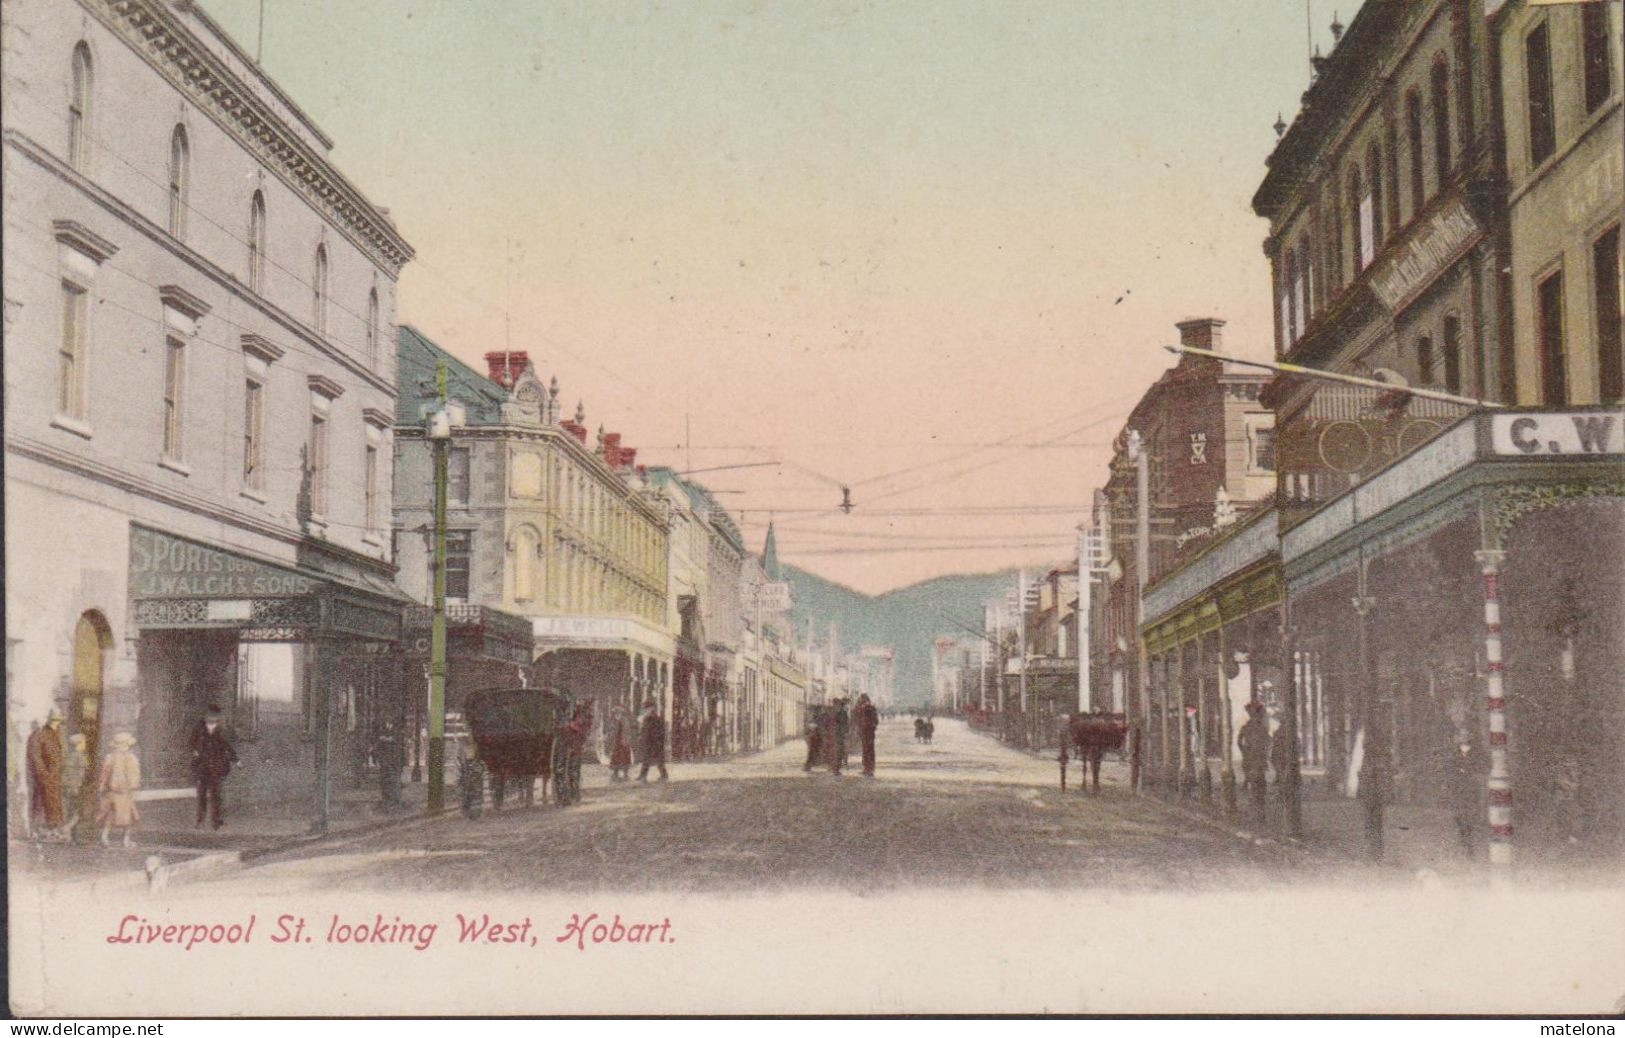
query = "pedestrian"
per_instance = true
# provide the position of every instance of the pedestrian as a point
(391, 756)
(120, 778)
(73, 783)
(1280, 753)
(815, 737)
(843, 722)
(1254, 742)
(653, 731)
(45, 773)
(1465, 805)
(212, 758)
(470, 776)
(620, 755)
(868, 721)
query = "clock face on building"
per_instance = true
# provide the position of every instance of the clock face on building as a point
(1345, 446)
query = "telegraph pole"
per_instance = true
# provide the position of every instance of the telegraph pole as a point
(440, 433)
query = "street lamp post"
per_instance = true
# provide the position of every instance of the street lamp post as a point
(439, 429)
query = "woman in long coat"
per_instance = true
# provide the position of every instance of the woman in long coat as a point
(119, 780)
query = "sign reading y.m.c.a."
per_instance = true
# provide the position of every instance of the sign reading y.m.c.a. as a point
(1572, 433)
(162, 566)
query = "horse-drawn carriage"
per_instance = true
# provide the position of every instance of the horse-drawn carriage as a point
(527, 733)
(1091, 736)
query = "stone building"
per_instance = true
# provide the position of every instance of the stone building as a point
(1435, 560)
(199, 312)
(540, 525)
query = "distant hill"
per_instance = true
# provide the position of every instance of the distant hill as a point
(907, 618)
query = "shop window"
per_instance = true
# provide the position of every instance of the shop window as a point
(1599, 72)
(1605, 273)
(459, 563)
(1538, 92)
(1549, 328)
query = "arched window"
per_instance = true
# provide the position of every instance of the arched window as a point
(1359, 223)
(1391, 194)
(1441, 118)
(256, 243)
(79, 106)
(1306, 280)
(180, 163)
(1424, 360)
(1413, 133)
(318, 290)
(1373, 176)
(1452, 353)
(372, 327)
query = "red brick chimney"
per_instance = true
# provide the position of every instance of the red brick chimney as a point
(1201, 333)
(575, 429)
(505, 366)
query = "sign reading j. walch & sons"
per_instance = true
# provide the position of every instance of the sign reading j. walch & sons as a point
(164, 566)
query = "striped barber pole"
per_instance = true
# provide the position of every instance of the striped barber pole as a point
(1500, 784)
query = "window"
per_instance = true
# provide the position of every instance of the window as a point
(1441, 119)
(370, 480)
(253, 434)
(459, 562)
(1360, 215)
(1392, 181)
(1605, 272)
(1260, 443)
(1599, 74)
(525, 544)
(1413, 130)
(180, 160)
(1372, 226)
(316, 463)
(372, 327)
(458, 471)
(1538, 88)
(174, 390)
(1299, 313)
(1549, 329)
(1452, 353)
(256, 243)
(318, 290)
(1424, 360)
(71, 352)
(79, 107)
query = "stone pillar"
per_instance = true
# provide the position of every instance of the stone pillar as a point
(1374, 768)
(1227, 735)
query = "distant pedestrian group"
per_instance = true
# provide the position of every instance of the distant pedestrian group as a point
(828, 731)
(924, 729)
(58, 770)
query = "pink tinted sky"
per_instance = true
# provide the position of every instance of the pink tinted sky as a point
(926, 249)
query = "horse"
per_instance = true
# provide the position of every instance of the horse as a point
(1091, 735)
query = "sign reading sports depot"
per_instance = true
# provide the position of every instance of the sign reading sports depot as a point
(1546, 435)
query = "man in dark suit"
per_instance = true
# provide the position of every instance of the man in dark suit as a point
(653, 728)
(868, 721)
(212, 758)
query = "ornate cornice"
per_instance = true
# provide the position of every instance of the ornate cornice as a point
(77, 236)
(154, 31)
(374, 416)
(325, 386)
(177, 298)
(262, 347)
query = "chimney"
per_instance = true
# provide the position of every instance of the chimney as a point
(505, 366)
(1201, 333)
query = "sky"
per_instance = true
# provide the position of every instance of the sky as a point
(924, 250)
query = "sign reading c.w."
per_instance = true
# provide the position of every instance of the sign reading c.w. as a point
(163, 566)
(1570, 433)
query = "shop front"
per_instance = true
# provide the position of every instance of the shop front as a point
(1464, 608)
(617, 662)
(302, 658)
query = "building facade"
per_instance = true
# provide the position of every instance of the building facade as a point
(199, 309)
(540, 525)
